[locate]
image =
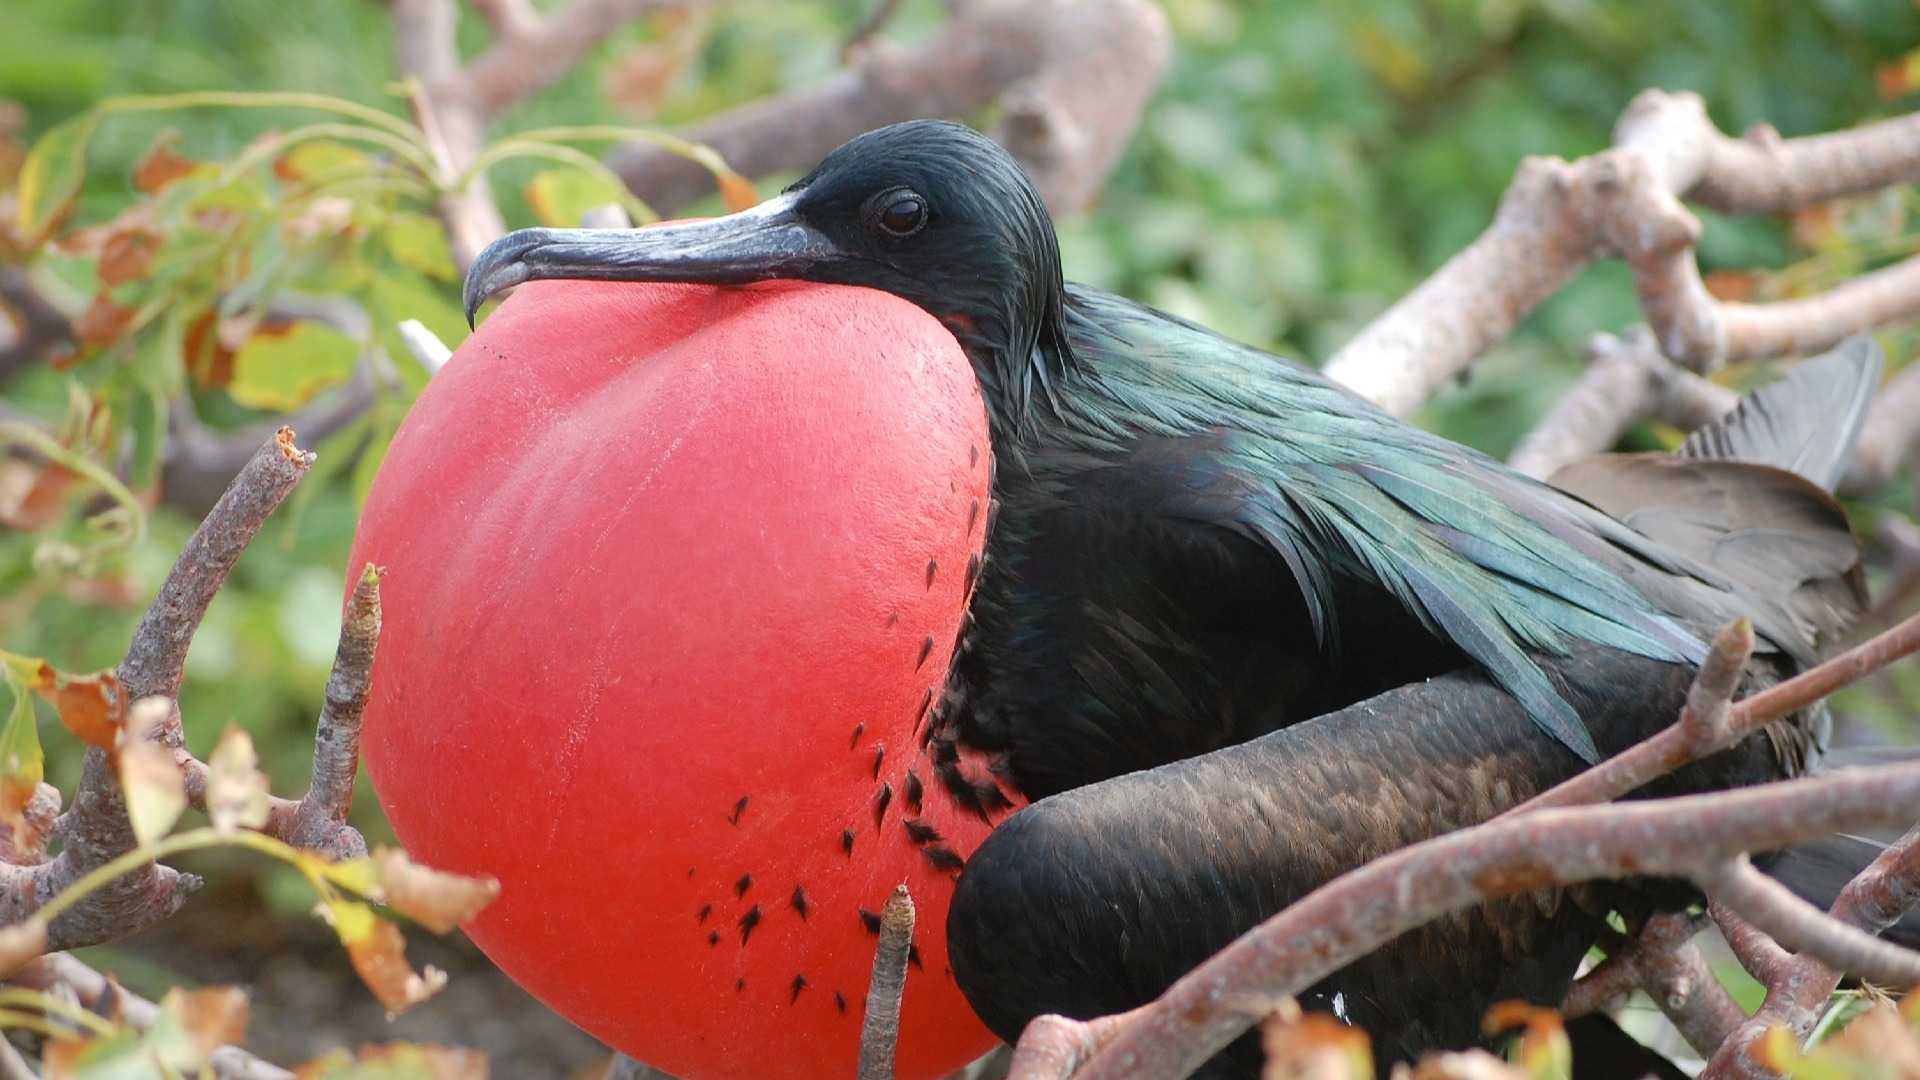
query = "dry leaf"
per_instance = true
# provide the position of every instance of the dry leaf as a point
(236, 788)
(436, 900)
(156, 793)
(20, 944)
(33, 495)
(378, 952)
(90, 706)
(1314, 1046)
(103, 322)
(161, 166)
(212, 1018)
(209, 358)
(125, 255)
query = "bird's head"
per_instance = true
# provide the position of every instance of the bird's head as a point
(931, 211)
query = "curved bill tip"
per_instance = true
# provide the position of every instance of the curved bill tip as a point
(500, 266)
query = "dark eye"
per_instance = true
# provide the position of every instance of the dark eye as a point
(901, 214)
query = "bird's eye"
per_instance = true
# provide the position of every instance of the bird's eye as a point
(901, 213)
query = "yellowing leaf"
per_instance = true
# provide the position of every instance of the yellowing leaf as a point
(278, 369)
(236, 788)
(419, 242)
(1543, 1050)
(355, 875)
(150, 780)
(320, 159)
(378, 952)
(560, 197)
(436, 900)
(29, 672)
(22, 766)
(50, 178)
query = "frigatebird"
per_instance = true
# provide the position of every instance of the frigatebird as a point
(1237, 630)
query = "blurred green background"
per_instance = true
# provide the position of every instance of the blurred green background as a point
(1302, 165)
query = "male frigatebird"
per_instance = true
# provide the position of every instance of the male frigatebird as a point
(1199, 545)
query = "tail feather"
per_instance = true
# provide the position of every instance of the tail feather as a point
(1807, 422)
(1748, 498)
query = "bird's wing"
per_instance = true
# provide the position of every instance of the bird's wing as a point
(1485, 558)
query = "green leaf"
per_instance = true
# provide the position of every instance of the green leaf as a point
(53, 173)
(280, 370)
(419, 242)
(321, 159)
(561, 197)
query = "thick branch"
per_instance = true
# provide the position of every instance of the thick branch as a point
(1556, 217)
(1626, 381)
(1077, 75)
(1359, 911)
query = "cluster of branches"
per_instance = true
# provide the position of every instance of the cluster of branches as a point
(1071, 80)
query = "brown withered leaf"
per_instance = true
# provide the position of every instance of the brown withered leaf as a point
(156, 793)
(126, 254)
(161, 166)
(209, 360)
(210, 1018)
(377, 950)
(435, 899)
(1732, 285)
(103, 322)
(236, 788)
(1314, 1046)
(89, 705)
(33, 494)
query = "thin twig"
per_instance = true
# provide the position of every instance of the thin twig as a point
(1664, 961)
(880, 1031)
(1339, 922)
(1803, 929)
(1690, 738)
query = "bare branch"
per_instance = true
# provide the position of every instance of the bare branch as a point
(1663, 961)
(1800, 927)
(54, 972)
(1626, 381)
(1557, 216)
(1798, 986)
(428, 350)
(880, 1031)
(1689, 739)
(1357, 912)
(531, 51)
(1081, 73)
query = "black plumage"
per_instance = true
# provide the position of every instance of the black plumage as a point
(1195, 546)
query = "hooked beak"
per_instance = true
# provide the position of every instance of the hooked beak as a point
(765, 242)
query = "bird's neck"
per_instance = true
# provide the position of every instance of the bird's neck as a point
(1027, 375)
